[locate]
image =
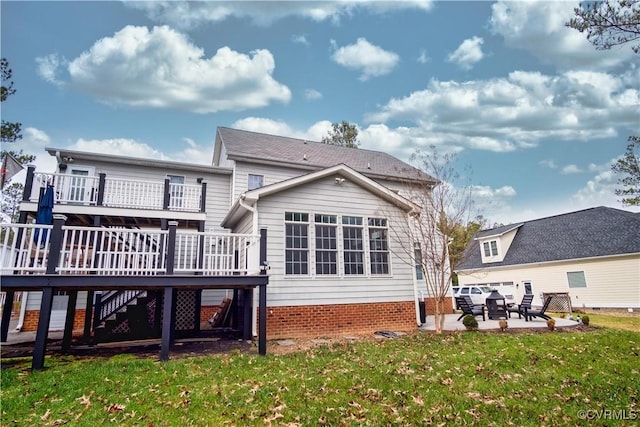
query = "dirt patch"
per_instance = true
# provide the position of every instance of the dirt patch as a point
(226, 345)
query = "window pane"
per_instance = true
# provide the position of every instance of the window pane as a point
(576, 279)
(378, 246)
(487, 252)
(255, 181)
(326, 246)
(494, 248)
(296, 243)
(353, 255)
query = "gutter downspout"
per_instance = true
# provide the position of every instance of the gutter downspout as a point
(416, 294)
(23, 309)
(254, 216)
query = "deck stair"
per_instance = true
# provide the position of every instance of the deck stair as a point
(128, 315)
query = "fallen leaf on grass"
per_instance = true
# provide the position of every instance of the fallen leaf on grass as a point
(116, 407)
(46, 415)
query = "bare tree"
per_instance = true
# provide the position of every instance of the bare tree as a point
(443, 209)
(609, 23)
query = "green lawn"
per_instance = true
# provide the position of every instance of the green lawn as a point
(546, 378)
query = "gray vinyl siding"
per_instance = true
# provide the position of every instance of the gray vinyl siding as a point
(272, 174)
(325, 197)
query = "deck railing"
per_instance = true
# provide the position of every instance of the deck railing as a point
(118, 192)
(27, 249)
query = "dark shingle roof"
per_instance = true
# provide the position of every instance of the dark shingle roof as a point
(589, 233)
(241, 144)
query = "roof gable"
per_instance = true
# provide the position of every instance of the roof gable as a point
(340, 171)
(589, 233)
(270, 149)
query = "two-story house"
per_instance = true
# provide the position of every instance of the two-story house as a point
(331, 218)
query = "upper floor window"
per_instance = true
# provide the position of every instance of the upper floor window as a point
(490, 248)
(255, 181)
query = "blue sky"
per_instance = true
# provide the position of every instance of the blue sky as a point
(529, 105)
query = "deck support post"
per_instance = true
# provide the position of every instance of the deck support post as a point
(6, 315)
(262, 329)
(40, 346)
(247, 311)
(168, 322)
(68, 324)
(88, 313)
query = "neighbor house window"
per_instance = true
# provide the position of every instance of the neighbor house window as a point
(490, 248)
(576, 279)
(296, 243)
(378, 246)
(255, 181)
(353, 245)
(326, 244)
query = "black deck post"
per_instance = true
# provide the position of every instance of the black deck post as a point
(68, 324)
(40, 346)
(88, 313)
(167, 194)
(42, 333)
(247, 300)
(262, 328)
(168, 305)
(6, 315)
(28, 184)
(168, 323)
(102, 180)
(262, 297)
(203, 197)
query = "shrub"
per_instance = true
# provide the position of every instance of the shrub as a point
(585, 320)
(469, 322)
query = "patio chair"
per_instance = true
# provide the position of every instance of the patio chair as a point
(530, 314)
(520, 308)
(469, 308)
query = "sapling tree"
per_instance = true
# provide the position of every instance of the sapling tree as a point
(443, 208)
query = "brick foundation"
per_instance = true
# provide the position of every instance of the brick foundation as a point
(340, 319)
(430, 305)
(30, 322)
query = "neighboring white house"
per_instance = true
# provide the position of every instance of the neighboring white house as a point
(331, 213)
(592, 254)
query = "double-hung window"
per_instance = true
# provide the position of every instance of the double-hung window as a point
(296, 243)
(379, 246)
(490, 248)
(326, 244)
(353, 245)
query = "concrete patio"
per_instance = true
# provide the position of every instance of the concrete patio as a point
(452, 324)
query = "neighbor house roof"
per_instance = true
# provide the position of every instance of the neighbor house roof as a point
(589, 233)
(303, 154)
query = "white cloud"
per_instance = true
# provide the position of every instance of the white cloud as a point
(550, 164)
(274, 127)
(570, 170)
(188, 15)
(312, 94)
(160, 68)
(423, 58)
(370, 60)
(48, 67)
(300, 39)
(468, 53)
(539, 27)
(520, 111)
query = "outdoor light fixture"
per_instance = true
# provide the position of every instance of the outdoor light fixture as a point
(339, 180)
